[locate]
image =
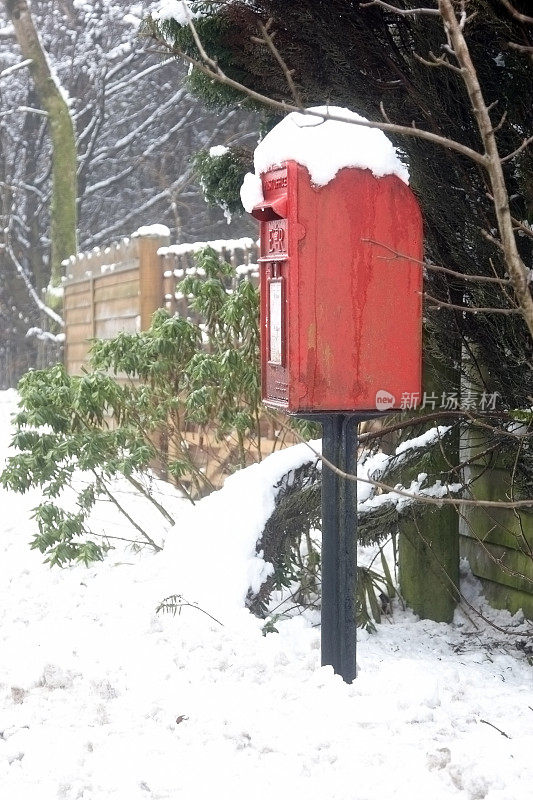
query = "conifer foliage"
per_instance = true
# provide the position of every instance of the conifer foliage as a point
(398, 63)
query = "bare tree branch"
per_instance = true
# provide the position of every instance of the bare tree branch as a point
(268, 39)
(493, 164)
(404, 12)
(470, 309)
(518, 150)
(522, 48)
(436, 62)
(210, 68)
(436, 267)
(15, 68)
(515, 13)
(31, 291)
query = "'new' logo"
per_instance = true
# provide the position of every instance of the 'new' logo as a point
(384, 400)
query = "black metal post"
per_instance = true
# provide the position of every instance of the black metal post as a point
(339, 544)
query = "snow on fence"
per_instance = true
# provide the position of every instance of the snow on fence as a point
(178, 261)
(117, 288)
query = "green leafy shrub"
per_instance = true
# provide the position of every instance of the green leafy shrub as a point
(178, 374)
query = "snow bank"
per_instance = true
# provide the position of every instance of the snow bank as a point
(102, 699)
(324, 146)
(215, 557)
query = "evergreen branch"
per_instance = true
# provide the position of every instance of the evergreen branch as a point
(420, 498)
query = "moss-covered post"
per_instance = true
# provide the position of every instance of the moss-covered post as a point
(63, 215)
(498, 542)
(429, 539)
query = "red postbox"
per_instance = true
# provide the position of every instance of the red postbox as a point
(341, 291)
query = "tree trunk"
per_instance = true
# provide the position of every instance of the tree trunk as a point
(63, 217)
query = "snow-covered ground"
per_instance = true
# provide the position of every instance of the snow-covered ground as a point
(102, 699)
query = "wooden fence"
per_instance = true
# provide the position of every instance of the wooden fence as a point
(118, 288)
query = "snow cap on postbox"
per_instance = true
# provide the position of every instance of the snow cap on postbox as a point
(324, 146)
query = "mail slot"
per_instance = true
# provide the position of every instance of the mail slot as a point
(341, 291)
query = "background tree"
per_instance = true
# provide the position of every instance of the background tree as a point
(61, 132)
(136, 128)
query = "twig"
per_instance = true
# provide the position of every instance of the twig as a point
(122, 510)
(436, 267)
(140, 488)
(515, 13)
(521, 227)
(437, 62)
(10, 70)
(471, 309)
(484, 721)
(523, 48)
(404, 12)
(177, 601)
(120, 538)
(269, 41)
(457, 590)
(500, 124)
(518, 150)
